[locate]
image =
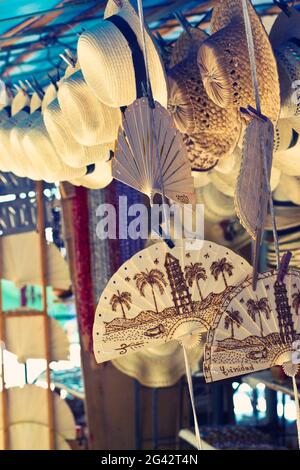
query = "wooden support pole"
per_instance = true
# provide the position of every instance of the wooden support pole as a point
(43, 268)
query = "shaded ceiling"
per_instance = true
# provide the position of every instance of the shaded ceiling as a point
(34, 33)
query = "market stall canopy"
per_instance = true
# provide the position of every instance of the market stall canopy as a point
(34, 33)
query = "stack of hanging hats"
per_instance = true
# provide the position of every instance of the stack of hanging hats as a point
(22, 165)
(71, 152)
(90, 121)
(210, 132)
(224, 62)
(111, 57)
(285, 39)
(42, 154)
(9, 118)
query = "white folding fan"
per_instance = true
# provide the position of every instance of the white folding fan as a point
(24, 336)
(255, 330)
(150, 154)
(21, 261)
(162, 294)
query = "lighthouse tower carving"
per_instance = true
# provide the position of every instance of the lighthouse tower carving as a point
(179, 289)
(285, 319)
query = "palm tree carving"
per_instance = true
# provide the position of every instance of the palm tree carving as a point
(296, 301)
(152, 278)
(122, 299)
(258, 307)
(221, 266)
(232, 318)
(195, 272)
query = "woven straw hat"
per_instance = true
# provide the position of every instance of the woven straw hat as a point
(224, 62)
(194, 111)
(218, 203)
(90, 121)
(201, 178)
(106, 59)
(187, 41)
(285, 39)
(160, 366)
(71, 152)
(98, 178)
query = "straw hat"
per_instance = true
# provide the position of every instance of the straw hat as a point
(285, 39)
(288, 189)
(287, 153)
(98, 177)
(224, 62)
(43, 156)
(201, 178)
(218, 203)
(90, 121)
(70, 151)
(195, 112)
(18, 112)
(198, 154)
(185, 43)
(160, 366)
(35, 102)
(106, 58)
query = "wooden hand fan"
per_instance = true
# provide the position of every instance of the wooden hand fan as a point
(150, 154)
(24, 336)
(162, 294)
(256, 330)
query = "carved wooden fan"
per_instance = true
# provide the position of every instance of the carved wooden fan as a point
(253, 331)
(150, 155)
(162, 294)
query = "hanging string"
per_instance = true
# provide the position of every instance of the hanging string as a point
(296, 396)
(192, 397)
(150, 97)
(250, 44)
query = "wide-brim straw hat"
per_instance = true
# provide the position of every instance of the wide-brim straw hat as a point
(90, 121)
(194, 111)
(35, 102)
(160, 366)
(285, 39)
(106, 58)
(43, 156)
(20, 101)
(71, 152)
(225, 65)
(287, 157)
(99, 177)
(218, 203)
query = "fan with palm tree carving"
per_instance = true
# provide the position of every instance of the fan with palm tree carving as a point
(162, 294)
(255, 330)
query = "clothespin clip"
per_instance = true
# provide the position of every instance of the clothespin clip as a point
(284, 264)
(283, 7)
(70, 56)
(253, 113)
(184, 23)
(66, 60)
